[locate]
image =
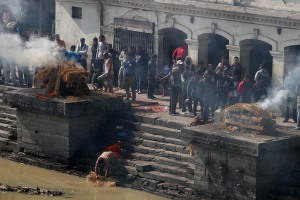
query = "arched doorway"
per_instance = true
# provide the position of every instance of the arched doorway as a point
(291, 58)
(255, 53)
(169, 40)
(212, 47)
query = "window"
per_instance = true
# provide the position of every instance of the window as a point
(76, 12)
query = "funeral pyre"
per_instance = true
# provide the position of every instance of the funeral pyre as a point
(248, 116)
(63, 79)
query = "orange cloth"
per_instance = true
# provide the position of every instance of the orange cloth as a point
(115, 148)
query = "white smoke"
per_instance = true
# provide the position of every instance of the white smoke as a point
(16, 7)
(277, 97)
(36, 52)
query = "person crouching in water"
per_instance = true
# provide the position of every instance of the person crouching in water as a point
(103, 166)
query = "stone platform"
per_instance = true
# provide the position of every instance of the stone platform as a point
(58, 127)
(241, 164)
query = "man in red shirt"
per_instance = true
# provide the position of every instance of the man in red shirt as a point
(180, 52)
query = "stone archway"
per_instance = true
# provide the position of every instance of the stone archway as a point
(291, 58)
(212, 47)
(254, 53)
(169, 40)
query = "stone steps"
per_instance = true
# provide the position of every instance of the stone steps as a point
(157, 155)
(6, 127)
(8, 145)
(7, 134)
(8, 116)
(8, 110)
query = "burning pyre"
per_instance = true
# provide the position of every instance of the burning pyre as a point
(249, 116)
(63, 79)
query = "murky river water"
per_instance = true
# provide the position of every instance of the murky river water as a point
(75, 188)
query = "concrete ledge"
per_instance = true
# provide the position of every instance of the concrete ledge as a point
(35, 100)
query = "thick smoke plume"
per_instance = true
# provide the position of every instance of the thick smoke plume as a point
(36, 52)
(16, 7)
(277, 97)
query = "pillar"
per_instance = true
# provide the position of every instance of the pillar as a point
(159, 50)
(277, 69)
(234, 51)
(193, 46)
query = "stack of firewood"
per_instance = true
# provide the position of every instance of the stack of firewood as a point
(249, 116)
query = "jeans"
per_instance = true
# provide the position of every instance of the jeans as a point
(140, 78)
(174, 95)
(129, 84)
(83, 63)
(201, 102)
(184, 97)
(151, 86)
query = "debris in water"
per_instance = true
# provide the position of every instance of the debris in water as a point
(30, 191)
(101, 180)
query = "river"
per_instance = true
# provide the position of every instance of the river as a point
(74, 188)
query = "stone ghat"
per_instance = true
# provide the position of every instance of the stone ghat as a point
(68, 106)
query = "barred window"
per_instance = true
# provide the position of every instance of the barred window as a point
(76, 12)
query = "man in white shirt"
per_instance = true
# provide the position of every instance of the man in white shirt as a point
(82, 50)
(98, 66)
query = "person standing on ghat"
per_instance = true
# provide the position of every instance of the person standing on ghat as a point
(175, 86)
(98, 65)
(94, 49)
(141, 59)
(151, 76)
(298, 105)
(237, 69)
(129, 76)
(82, 50)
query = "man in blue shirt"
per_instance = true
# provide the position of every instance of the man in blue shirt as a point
(72, 56)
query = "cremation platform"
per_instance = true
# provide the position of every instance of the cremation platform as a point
(241, 164)
(58, 127)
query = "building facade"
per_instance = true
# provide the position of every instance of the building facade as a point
(257, 31)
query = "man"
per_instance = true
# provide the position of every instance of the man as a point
(102, 47)
(129, 76)
(82, 50)
(180, 52)
(108, 75)
(175, 86)
(113, 56)
(103, 166)
(237, 68)
(72, 56)
(60, 42)
(261, 83)
(98, 65)
(223, 65)
(94, 49)
(151, 76)
(194, 91)
(141, 59)
(60, 47)
(208, 87)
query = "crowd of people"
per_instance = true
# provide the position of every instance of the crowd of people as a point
(190, 85)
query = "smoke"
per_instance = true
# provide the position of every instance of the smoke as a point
(277, 97)
(16, 7)
(36, 52)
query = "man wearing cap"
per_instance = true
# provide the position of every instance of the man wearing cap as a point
(175, 86)
(82, 50)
